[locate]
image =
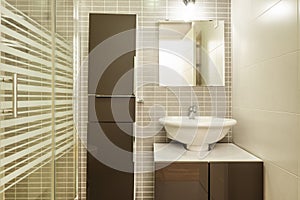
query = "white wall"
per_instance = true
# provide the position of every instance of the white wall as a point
(266, 90)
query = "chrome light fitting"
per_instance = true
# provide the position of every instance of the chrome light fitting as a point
(186, 2)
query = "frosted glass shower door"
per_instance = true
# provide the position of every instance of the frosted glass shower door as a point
(37, 135)
(65, 145)
(26, 106)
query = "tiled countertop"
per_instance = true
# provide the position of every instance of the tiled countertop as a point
(171, 152)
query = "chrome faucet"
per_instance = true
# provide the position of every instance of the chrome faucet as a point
(192, 111)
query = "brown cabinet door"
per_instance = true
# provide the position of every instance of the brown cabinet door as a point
(236, 181)
(112, 44)
(106, 183)
(181, 181)
(110, 168)
(111, 109)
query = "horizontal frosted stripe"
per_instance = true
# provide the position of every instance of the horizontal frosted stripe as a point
(68, 75)
(62, 48)
(31, 134)
(34, 103)
(63, 109)
(63, 62)
(64, 148)
(25, 39)
(25, 32)
(34, 112)
(63, 102)
(66, 66)
(23, 120)
(12, 166)
(62, 120)
(63, 113)
(63, 144)
(29, 88)
(64, 73)
(26, 24)
(63, 79)
(67, 49)
(63, 67)
(44, 124)
(23, 169)
(62, 90)
(62, 42)
(65, 53)
(25, 145)
(24, 16)
(35, 96)
(62, 56)
(33, 52)
(38, 67)
(58, 84)
(66, 124)
(25, 56)
(63, 117)
(29, 81)
(16, 156)
(64, 136)
(19, 70)
(26, 88)
(8, 104)
(63, 131)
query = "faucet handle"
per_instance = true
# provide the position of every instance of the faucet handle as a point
(193, 108)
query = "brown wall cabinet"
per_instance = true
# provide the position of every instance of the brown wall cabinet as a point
(111, 110)
(209, 181)
(112, 45)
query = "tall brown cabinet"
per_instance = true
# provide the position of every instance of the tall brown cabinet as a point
(111, 109)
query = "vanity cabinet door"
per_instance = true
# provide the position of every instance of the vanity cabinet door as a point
(236, 181)
(181, 181)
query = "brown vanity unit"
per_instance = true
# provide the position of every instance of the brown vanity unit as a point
(227, 173)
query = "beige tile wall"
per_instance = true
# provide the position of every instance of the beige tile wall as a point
(266, 90)
(157, 100)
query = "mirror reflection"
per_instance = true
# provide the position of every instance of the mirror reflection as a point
(191, 53)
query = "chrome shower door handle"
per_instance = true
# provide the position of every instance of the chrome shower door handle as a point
(14, 80)
(15, 95)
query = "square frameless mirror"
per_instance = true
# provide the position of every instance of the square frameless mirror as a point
(191, 53)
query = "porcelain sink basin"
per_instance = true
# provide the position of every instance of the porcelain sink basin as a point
(197, 133)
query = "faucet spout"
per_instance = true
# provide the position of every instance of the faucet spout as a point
(192, 111)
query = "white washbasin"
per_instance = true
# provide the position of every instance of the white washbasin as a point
(197, 133)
